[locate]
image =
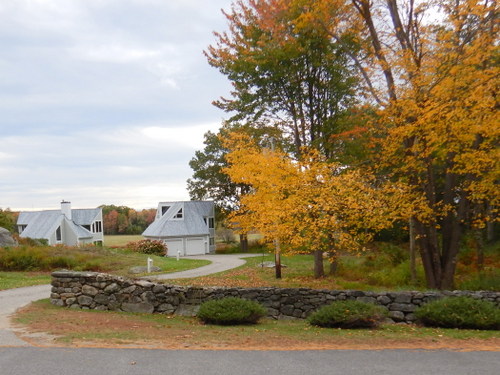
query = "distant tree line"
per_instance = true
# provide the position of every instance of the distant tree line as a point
(126, 220)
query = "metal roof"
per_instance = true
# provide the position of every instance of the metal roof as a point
(42, 224)
(191, 224)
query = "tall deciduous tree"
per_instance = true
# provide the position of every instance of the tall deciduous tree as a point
(309, 204)
(295, 78)
(439, 125)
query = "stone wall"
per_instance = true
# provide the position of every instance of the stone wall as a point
(91, 290)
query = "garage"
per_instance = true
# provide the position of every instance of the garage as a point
(174, 245)
(195, 246)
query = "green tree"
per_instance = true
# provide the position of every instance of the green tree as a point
(297, 79)
(7, 219)
(209, 180)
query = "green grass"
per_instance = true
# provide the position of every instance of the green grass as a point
(45, 259)
(9, 280)
(115, 328)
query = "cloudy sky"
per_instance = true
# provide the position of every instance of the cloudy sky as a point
(104, 101)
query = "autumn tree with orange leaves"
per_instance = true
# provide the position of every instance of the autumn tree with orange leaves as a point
(310, 204)
(431, 71)
(438, 130)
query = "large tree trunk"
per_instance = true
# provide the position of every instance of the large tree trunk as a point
(318, 264)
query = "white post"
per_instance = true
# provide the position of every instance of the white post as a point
(178, 254)
(150, 264)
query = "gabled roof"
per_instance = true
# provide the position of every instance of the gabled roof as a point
(191, 224)
(42, 224)
(85, 216)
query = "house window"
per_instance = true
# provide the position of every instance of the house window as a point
(86, 227)
(178, 215)
(97, 227)
(58, 234)
(212, 241)
(164, 209)
(21, 228)
(211, 223)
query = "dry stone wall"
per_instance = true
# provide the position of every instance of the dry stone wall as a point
(92, 290)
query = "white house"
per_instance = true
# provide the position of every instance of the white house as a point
(66, 226)
(187, 228)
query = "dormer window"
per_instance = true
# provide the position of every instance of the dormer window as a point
(178, 215)
(164, 210)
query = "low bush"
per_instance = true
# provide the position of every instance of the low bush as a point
(348, 314)
(22, 259)
(231, 311)
(153, 247)
(459, 312)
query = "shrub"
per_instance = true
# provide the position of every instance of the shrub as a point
(154, 247)
(231, 311)
(459, 312)
(348, 314)
(22, 259)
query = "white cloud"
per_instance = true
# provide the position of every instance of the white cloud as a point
(104, 101)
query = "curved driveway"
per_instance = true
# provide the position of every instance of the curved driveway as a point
(219, 263)
(13, 299)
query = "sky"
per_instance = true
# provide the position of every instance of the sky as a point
(104, 101)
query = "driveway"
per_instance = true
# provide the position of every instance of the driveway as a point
(13, 299)
(219, 263)
(10, 301)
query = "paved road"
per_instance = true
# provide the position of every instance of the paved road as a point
(10, 301)
(84, 361)
(219, 263)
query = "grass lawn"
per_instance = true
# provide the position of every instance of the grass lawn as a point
(9, 280)
(92, 258)
(100, 328)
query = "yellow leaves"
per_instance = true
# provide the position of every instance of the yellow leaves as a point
(308, 204)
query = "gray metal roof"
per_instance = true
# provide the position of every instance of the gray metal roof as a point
(85, 216)
(191, 224)
(42, 224)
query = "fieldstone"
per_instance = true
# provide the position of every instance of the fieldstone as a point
(165, 308)
(112, 288)
(397, 316)
(6, 238)
(403, 298)
(84, 300)
(101, 299)
(159, 289)
(402, 307)
(384, 300)
(57, 302)
(89, 290)
(142, 307)
(187, 310)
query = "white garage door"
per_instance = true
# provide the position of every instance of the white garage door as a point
(195, 246)
(173, 246)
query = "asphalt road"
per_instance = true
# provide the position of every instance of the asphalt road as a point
(42, 361)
